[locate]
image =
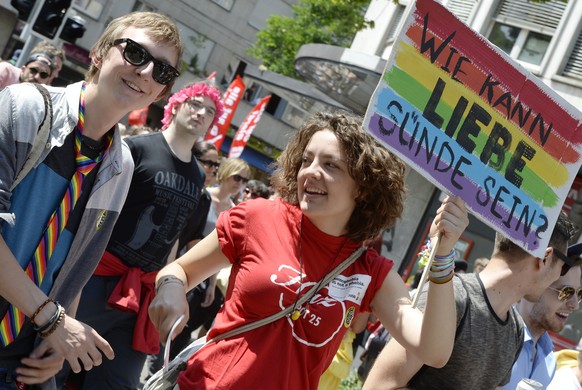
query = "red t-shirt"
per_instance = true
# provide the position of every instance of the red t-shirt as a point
(262, 239)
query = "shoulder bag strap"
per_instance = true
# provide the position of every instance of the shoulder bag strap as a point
(304, 298)
(40, 139)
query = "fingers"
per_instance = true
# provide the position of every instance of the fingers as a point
(94, 354)
(166, 307)
(103, 346)
(167, 326)
(73, 363)
(80, 345)
(450, 221)
(40, 350)
(453, 217)
(86, 361)
(40, 368)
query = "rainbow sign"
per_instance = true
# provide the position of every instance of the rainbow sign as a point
(477, 125)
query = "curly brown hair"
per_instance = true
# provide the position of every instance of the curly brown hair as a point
(379, 174)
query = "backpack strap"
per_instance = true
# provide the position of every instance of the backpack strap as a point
(41, 138)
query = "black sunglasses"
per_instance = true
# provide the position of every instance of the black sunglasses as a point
(568, 261)
(565, 293)
(209, 163)
(137, 55)
(43, 75)
(239, 178)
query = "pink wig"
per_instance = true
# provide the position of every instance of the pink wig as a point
(188, 93)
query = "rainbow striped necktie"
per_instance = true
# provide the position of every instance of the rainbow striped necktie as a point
(14, 319)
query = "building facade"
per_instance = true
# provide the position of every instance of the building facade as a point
(217, 34)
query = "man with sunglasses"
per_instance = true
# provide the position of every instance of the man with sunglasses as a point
(37, 69)
(56, 54)
(164, 193)
(489, 330)
(536, 359)
(57, 220)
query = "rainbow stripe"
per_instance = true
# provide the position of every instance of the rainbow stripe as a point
(478, 125)
(13, 320)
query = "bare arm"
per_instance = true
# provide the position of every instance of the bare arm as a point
(200, 262)
(360, 322)
(393, 368)
(429, 336)
(18, 289)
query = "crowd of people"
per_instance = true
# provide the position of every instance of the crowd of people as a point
(136, 224)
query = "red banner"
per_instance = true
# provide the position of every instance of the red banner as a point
(246, 128)
(231, 99)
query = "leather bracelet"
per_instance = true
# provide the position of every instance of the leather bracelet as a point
(50, 322)
(39, 309)
(56, 324)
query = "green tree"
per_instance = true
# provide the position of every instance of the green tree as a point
(332, 22)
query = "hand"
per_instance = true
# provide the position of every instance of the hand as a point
(450, 221)
(209, 297)
(41, 365)
(78, 341)
(169, 304)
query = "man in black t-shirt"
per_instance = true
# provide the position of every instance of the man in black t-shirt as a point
(164, 192)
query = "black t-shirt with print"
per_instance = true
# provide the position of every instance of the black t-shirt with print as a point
(163, 194)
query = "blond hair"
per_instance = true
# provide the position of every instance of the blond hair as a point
(231, 166)
(161, 29)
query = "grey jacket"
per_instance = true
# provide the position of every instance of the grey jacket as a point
(21, 113)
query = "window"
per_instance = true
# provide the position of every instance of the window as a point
(524, 29)
(392, 31)
(574, 65)
(197, 50)
(462, 9)
(395, 23)
(534, 48)
(92, 8)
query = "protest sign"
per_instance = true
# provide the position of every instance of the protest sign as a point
(477, 125)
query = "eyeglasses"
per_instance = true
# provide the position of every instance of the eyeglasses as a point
(209, 163)
(43, 75)
(137, 55)
(239, 178)
(195, 105)
(568, 261)
(565, 293)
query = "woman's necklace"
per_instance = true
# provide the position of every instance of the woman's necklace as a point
(296, 312)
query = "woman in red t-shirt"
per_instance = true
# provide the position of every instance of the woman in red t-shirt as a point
(338, 188)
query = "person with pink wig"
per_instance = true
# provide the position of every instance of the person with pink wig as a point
(162, 199)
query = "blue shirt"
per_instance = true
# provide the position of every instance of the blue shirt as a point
(542, 369)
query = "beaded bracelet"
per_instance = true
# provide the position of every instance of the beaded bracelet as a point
(39, 309)
(167, 280)
(50, 322)
(56, 324)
